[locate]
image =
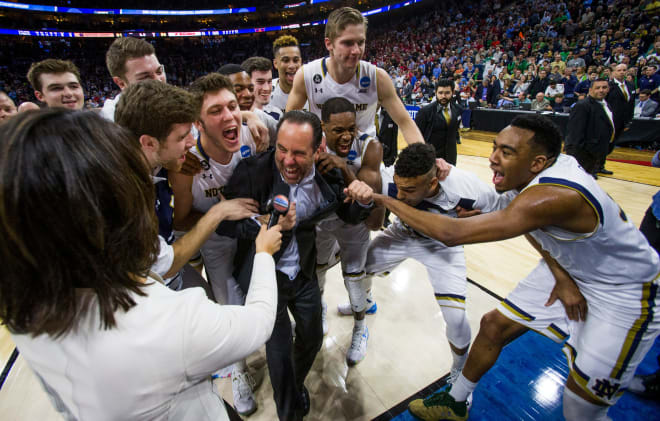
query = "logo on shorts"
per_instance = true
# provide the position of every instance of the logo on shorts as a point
(317, 78)
(204, 164)
(245, 151)
(365, 82)
(351, 156)
(604, 389)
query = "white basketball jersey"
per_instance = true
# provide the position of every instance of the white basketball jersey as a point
(356, 153)
(460, 188)
(207, 184)
(361, 90)
(277, 97)
(615, 253)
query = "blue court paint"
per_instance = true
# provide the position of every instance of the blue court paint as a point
(527, 383)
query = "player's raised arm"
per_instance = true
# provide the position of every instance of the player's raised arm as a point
(298, 95)
(389, 99)
(534, 208)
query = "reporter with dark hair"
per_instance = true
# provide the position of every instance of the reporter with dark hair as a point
(439, 121)
(106, 339)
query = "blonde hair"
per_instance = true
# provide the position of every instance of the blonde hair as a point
(342, 17)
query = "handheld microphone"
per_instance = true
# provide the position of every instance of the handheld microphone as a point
(280, 203)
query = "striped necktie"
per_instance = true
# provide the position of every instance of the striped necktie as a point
(625, 92)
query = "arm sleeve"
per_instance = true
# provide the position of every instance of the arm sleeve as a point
(465, 189)
(218, 335)
(239, 185)
(165, 258)
(576, 126)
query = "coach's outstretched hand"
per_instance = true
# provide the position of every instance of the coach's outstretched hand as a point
(269, 240)
(360, 191)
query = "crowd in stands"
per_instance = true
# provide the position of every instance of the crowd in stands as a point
(500, 55)
(504, 56)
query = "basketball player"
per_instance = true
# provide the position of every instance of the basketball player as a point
(244, 91)
(416, 183)
(221, 144)
(287, 61)
(592, 256)
(57, 83)
(260, 71)
(130, 60)
(160, 117)
(344, 74)
(358, 156)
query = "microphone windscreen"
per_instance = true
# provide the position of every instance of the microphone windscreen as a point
(281, 203)
(281, 197)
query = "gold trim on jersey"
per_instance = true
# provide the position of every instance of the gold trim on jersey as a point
(636, 332)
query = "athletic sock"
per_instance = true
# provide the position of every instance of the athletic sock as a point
(360, 324)
(459, 360)
(462, 388)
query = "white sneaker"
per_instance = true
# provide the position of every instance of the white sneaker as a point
(241, 385)
(345, 309)
(324, 317)
(358, 349)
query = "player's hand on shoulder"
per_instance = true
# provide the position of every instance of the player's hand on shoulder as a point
(359, 191)
(191, 166)
(269, 240)
(443, 169)
(327, 162)
(259, 132)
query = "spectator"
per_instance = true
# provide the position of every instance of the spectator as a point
(540, 103)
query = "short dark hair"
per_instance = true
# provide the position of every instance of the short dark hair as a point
(284, 41)
(151, 107)
(415, 160)
(50, 65)
(210, 83)
(336, 105)
(260, 64)
(645, 92)
(547, 135)
(304, 117)
(230, 69)
(444, 83)
(123, 49)
(84, 179)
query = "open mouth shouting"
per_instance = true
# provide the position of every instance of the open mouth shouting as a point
(231, 136)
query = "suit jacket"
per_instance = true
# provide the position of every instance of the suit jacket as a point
(255, 178)
(588, 130)
(622, 110)
(649, 108)
(436, 132)
(490, 98)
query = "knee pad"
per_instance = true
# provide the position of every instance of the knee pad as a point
(458, 329)
(578, 409)
(357, 294)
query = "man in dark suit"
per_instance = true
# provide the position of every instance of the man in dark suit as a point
(313, 197)
(439, 121)
(621, 101)
(590, 128)
(484, 94)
